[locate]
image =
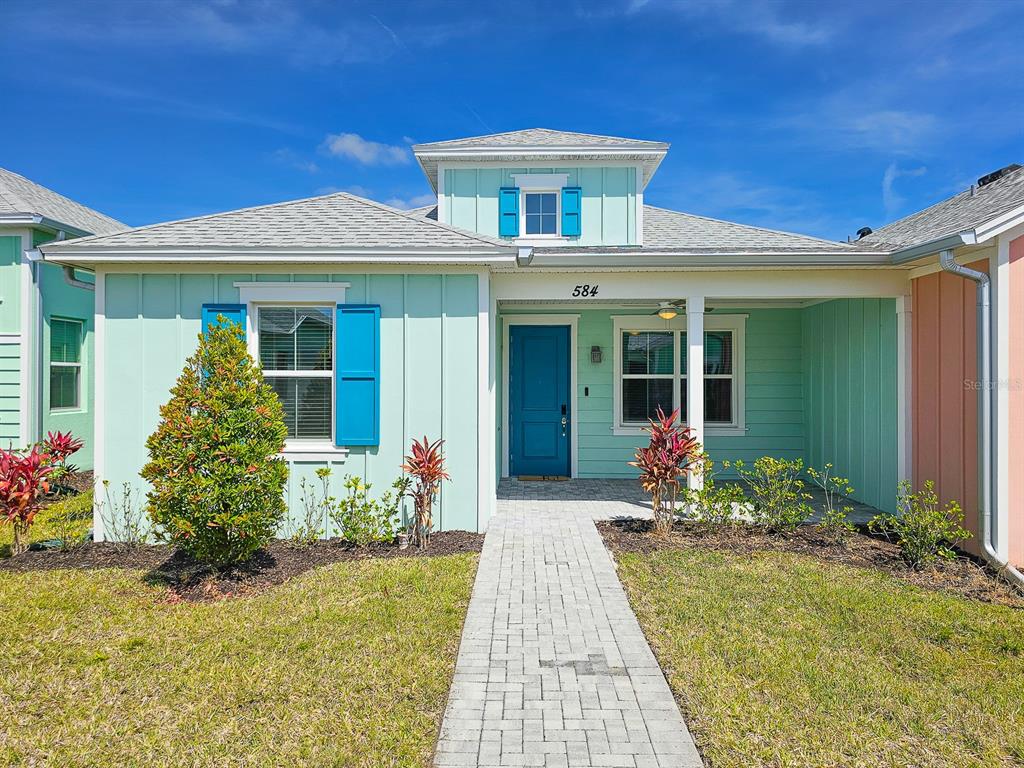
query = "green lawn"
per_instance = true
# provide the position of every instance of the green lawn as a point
(71, 516)
(347, 665)
(783, 660)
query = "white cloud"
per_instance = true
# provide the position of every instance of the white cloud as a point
(772, 22)
(288, 157)
(893, 201)
(417, 201)
(355, 147)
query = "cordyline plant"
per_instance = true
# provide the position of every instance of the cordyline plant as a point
(425, 465)
(23, 484)
(671, 453)
(217, 481)
(58, 446)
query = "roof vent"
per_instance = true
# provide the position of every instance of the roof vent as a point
(863, 232)
(988, 178)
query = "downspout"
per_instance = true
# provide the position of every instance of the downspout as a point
(74, 282)
(986, 393)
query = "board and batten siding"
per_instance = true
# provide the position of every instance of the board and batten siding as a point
(774, 398)
(428, 374)
(850, 394)
(609, 205)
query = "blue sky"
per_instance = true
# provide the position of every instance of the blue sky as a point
(811, 117)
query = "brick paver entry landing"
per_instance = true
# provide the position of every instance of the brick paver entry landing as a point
(553, 669)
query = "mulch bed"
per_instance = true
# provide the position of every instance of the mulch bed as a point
(74, 483)
(965, 576)
(187, 579)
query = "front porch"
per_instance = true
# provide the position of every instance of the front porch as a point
(611, 498)
(816, 378)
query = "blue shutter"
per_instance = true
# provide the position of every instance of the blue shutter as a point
(357, 375)
(572, 199)
(508, 212)
(234, 313)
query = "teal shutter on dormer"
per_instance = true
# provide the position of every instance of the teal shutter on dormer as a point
(508, 212)
(233, 313)
(572, 203)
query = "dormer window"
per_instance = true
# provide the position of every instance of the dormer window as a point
(541, 213)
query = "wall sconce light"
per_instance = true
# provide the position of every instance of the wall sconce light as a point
(595, 354)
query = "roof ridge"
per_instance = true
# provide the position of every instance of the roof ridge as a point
(540, 129)
(750, 226)
(12, 199)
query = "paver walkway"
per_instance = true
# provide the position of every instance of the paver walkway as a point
(554, 669)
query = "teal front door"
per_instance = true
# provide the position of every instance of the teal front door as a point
(539, 406)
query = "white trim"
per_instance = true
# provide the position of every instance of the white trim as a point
(80, 394)
(30, 345)
(732, 322)
(695, 377)
(546, 150)
(289, 292)
(639, 205)
(309, 450)
(999, 224)
(537, 239)
(442, 204)
(482, 254)
(540, 182)
(99, 344)
(573, 322)
(999, 269)
(904, 388)
(486, 497)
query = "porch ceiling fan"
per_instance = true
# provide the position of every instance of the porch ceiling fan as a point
(668, 309)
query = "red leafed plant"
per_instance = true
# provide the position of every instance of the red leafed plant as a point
(23, 484)
(59, 445)
(670, 455)
(426, 467)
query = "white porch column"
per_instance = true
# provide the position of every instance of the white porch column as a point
(695, 374)
(904, 384)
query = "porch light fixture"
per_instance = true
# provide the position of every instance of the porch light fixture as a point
(667, 313)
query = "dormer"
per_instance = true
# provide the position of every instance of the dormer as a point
(542, 187)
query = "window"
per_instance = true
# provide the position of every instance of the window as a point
(541, 213)
(65, 363)
(651, 370)
(296, 350)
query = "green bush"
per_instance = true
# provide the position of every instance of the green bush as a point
(777, 493)
(923, 530)
(363, 520)
(714, 504)
(217, 480)
(835, 515)
(317, 502)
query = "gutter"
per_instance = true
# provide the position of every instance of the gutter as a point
(947, 243)
(986, 395)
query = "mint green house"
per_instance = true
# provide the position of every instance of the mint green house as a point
(534, 319)
(46, 318)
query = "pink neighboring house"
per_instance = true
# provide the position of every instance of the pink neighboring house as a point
(968, 258)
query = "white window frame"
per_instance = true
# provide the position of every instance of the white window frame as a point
(735, 323)
(540, 183)
(81, 353)
(297, 294)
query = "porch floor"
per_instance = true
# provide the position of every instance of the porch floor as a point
(610, 498)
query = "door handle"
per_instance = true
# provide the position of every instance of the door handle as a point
(564, 422)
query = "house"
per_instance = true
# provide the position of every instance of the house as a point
(541, 311)
(46, 318)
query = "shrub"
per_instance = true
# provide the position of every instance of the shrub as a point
(670, 454)
(835, 517)
(68, 519)
(714, 504)
(425, 466)
(924, 530)
(58, 446)
(363, 520)
(777, 493)
(217, 480)
(123, 517)
(23, 484)
(316, 506)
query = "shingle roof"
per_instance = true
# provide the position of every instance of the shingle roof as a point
(666, 230)
(340, 220)
(964, 211)
(542, 137)
(19, 195)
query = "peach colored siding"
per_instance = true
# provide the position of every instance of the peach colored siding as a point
(945, 420)
(1016, 383)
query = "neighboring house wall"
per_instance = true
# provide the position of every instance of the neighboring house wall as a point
(945, 419)
(609, 208)
(10, 344)
(429, 365)
(63, 301)
(850, 394)
(1016, 399)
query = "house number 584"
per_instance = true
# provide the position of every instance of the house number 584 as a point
(585, 290)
